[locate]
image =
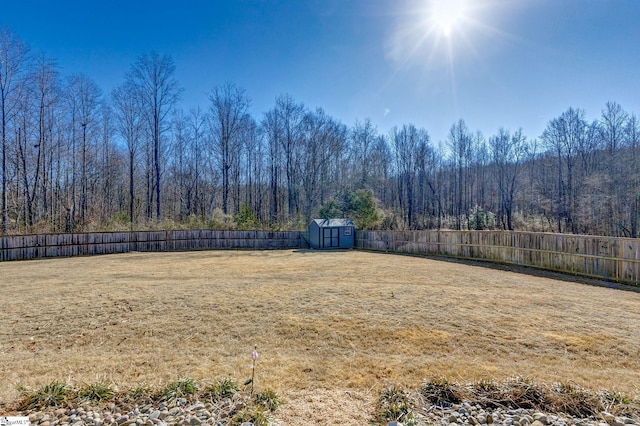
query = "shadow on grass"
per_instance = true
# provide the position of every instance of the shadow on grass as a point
(520, 269)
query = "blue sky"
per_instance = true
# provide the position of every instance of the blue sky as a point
(511, 63)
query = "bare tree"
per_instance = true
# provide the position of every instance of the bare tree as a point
(33, 124)
(322, 138)
(180, 166)
(290, 116)
(197, 123)
(563, 135)
(613, 122)
(612, 128)
(45, 92)
(85, 95)
(363, 136)
(429, 199)
(254, 165)
(108, 160)
(283, 129)
(229, 104)
(28, 156)
(13, 61)
(480, 164)
(588, 149)
(381, 165)
(632, 136)
(153, 77)
(127, 108)
(406, 144)
(273, 131)
(460, 142)
(509, 152)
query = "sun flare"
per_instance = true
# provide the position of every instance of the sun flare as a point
(445, 15)
(439, 35)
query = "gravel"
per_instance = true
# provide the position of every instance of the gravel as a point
(466, 413)
(200, 413)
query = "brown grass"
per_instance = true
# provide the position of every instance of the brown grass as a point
(335, 326)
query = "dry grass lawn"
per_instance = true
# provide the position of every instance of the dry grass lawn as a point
(332, 328)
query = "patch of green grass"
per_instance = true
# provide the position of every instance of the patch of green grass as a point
(225, 388)
(181, 388)
(393, 405)
(617, 398)
(53, 394)
(268, 399)
(485, 386)
(142, 390)
(255, 415)
(96, 392)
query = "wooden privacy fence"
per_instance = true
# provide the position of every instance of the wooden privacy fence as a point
(55, 245)
(610, 258)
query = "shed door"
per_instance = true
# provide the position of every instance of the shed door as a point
(331, 237)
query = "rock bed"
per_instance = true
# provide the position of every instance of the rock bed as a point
(160, 414)
(199, 413)
(469, 414)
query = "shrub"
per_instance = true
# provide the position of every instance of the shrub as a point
(245, 219)
(96, 392)
(525, 393)
(393, 405)
(441, 392)
(182, 388)
(221, 220)
(53, 394)
(485, 386)
(268, 399)
(360, 205)
(254, 415)
(616, 398)
(570, 399)
(140, 392)
(225, 388)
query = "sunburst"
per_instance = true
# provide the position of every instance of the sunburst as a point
(435, 35)
(448, 15)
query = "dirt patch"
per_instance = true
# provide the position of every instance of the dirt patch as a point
(326, 407)
(325, 324)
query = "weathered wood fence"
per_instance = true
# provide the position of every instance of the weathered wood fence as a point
(55, 245)
(610, 258)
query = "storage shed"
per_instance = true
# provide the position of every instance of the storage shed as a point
(331, 233)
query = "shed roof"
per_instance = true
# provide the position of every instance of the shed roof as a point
(330, 223)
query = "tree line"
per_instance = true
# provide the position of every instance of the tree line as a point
(75, 158)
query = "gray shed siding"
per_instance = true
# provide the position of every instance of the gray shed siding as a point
(331, 234)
